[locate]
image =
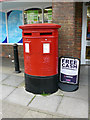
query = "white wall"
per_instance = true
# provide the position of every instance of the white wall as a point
(7, 6)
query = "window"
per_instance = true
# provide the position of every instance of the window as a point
(48, 15)
(87, 52)
(88, 23)
(14, 20)
(88, 34)
(33, 16)
(3, 33)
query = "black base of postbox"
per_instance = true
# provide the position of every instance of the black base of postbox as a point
(68, 87)
(40, 85)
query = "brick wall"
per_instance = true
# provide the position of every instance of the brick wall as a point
(69, 16)
(8, 50)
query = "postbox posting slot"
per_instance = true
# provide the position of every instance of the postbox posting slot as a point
(46, 33)
(28, 34)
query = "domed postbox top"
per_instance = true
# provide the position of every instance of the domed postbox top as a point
(40, 25)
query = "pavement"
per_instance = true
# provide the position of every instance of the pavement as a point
(15, 102)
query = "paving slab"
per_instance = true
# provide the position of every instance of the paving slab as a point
(81, 93)
(0, 106)
(7, 70)
(58, 93)
(84, 70)
(1, 91)
(20, 96)
(84, 75)
(61, 116)
(6, 90)
(35, 114)
(22, 84)
(0, 68)
(84, 80)
(10, 114)
(13, 80)
(0, 116)
(3, 76)
(13, 110)
(61, 104)
(46, 103)
(19, 74)
(75, 108)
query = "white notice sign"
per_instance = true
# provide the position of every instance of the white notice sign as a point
(46, 47)
(27, 47)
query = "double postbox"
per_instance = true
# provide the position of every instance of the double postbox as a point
(40, 45)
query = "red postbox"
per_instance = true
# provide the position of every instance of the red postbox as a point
(40, 43)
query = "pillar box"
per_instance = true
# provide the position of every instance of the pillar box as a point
(40, 44)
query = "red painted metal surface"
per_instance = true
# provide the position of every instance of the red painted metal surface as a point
(40, 25)
(40, 43)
